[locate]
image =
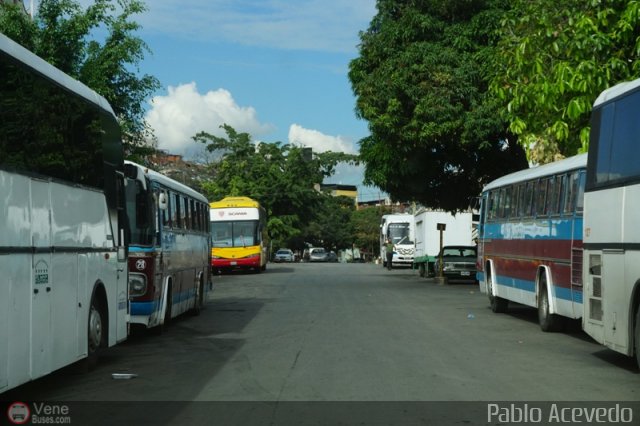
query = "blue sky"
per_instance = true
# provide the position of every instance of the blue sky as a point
(276, 69)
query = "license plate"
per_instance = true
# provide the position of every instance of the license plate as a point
(234, 263)
(465, 273)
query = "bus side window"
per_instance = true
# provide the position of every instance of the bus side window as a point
(194, 215)
(175, 211)
(508, 202)
(186, 215)
(541, 193)
(491, 206)
(580, 193)
(166, 213)
(553, 195)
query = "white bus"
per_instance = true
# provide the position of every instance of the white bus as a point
(169, 250)
(611, 270)
(400, 229)
(63, 284)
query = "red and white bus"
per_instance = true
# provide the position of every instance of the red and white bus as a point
(530, 240)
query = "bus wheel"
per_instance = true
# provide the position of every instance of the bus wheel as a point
(96, 335)
(547, 320)
(164, 327)
(199, 300)
(498, 304)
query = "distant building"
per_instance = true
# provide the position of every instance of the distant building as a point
(336, 190)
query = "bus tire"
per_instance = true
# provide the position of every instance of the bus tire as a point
(498, 304)
(96, 330)
(421, 270)
(197, 308)
(163, 327)
(548, 321)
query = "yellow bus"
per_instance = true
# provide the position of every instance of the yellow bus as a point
(238, 235)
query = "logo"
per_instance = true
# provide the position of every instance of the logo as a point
(221, 213)
(141, 264)
(18, 413)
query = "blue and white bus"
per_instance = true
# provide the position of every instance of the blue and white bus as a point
(169, 250)
(530, 240)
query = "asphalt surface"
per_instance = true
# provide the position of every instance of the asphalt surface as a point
(340, 341)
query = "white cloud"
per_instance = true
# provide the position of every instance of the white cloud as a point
(183, 112)
(320, 142)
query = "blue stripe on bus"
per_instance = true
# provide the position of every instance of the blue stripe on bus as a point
(551, 229)
(137, 249)
(143, 308)
(147, 308)
(563, 293)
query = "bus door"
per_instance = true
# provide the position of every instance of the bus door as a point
(574, 202)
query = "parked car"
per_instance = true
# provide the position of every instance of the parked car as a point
(284, 255)
(318, 255)
(332, 257)
(459, 263)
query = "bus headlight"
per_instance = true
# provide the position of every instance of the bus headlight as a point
(137, 284)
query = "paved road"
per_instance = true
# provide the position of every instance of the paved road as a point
(349, 332)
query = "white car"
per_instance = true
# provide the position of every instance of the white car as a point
(284, 255)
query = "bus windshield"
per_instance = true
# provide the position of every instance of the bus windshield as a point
(139, 213)
(399, 233)
(234, 234)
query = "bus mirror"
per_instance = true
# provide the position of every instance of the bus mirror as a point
(162, 201)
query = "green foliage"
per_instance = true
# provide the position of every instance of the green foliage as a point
(421, 83)
(278, 175)
(65, 35)
(331, 227)
(366, 225)
(554, 58)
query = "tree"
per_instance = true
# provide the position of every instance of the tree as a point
(421, 82)
(278, 175)
(63, 34)
(366, 226)
(554, 59)
(331, 228)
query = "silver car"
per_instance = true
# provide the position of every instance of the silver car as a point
(283, 255)
(318, 255)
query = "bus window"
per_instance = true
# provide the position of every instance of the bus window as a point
(508, 202)
(175, 211)
(580, 194)
(553, 195)
(184, 208)
(541, 193)
(493, 205)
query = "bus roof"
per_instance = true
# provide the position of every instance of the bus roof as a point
(228, 202)
(168, 182)
(615, 91)
(571, 163)
(12, 49)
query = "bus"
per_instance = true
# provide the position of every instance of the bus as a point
(238, 235)
(63, 292)
(611, 231)
(530, 240)
(400, 229)
(169, 250)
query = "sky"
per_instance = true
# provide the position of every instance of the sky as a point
(276, 69)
